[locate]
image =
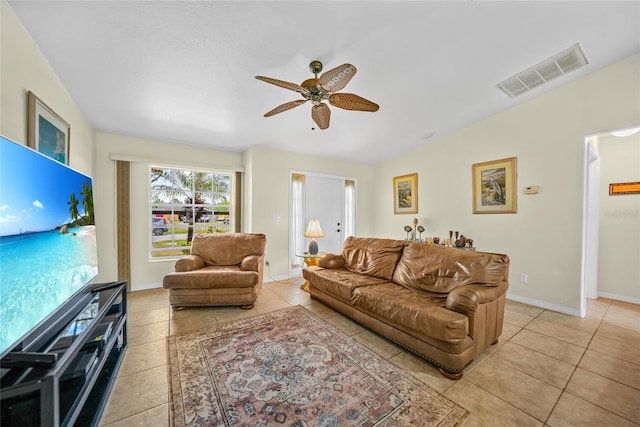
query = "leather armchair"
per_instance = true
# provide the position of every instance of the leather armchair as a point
(223, 269)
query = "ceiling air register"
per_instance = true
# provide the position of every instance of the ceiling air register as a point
(555, 66)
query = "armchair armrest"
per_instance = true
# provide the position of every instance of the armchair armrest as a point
(189, 263)
(331, 261)
(466, 299)
(251, 263)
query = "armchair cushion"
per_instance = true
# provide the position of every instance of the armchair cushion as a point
(227, 248)
(189, 263)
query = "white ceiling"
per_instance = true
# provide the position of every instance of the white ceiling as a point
(184, 71)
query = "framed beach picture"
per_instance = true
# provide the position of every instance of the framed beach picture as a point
(47, 132)
(494, 186)
(405, 194)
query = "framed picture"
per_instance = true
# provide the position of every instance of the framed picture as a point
(47, 132)
(494, 186)
(405, 194)
(624, 188)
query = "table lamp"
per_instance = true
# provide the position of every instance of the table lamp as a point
(313, 231)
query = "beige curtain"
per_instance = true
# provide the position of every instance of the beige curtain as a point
(123, 220)
(236, 194)
(296, 239)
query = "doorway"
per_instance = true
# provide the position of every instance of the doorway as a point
(328, 198)
(611, 223)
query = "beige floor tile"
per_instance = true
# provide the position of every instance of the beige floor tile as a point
(139, 358)
(573, 336)
(133, 394)
(378, 344)
(143, 334)
(610, 395)
(229, 314)
(624, 315)
(522, 308)
(572, 411)
(529, 394)
(622, 334)
(545, 368)
(487, 410)
(156, 417)
(508, 331)
(597, 308)
(149, 300)
(550, 346)
(145, 317)
(615, 369)
(619, 349)
(517, 318)
(422, 370)
(586, 324)
(299, 299)
(626, 305)
(191, 319)
(266, 305)
(344, 324)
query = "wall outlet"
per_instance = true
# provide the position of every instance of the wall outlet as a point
(524, 277)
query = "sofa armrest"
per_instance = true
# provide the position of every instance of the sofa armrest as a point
(466, 299)
(331, 261)
(189, 263)
(251, 263)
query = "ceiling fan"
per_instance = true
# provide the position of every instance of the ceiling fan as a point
(323, 88)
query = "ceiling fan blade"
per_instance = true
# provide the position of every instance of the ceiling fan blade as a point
(286, 85)
(321, 115)
(285, 107)
(336, 78)
(350, 101)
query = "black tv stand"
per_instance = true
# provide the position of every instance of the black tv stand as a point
(65, 372)
(26, 359)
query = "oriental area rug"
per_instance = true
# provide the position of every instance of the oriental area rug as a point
(291, 368)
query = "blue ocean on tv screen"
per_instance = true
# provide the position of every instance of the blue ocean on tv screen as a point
(41, 264)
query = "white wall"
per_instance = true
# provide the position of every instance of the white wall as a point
(23, 68)
(619, 240)
(546, 134)
(268, 174)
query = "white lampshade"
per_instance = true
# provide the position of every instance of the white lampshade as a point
(314, 229)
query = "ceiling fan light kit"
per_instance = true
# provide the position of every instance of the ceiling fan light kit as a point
(323, 88)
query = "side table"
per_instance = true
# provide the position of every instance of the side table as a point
(309, 260)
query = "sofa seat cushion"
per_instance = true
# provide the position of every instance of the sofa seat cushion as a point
(212, 277)
(371, 256)
(439, 269)
(422, 312)
(339, 282)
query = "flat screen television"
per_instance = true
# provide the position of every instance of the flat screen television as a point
(48, 250)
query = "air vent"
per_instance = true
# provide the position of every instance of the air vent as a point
(555, 66)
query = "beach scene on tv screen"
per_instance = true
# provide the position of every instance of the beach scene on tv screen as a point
(48, 245)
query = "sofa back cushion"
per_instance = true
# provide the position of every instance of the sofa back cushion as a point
(227, 248)
(440, 269)
(371, 256)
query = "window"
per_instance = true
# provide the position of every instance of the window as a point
(184, 202)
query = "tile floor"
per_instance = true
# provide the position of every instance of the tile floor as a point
(548, 369)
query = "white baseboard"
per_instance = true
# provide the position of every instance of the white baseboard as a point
(145, 287)
(622, 298)
(545, 305)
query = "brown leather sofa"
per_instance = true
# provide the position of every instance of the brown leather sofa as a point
(223, 269)
(444, 304)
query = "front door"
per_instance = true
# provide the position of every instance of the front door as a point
(325, 202)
